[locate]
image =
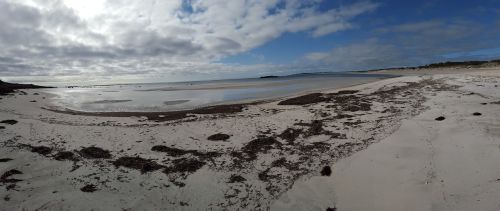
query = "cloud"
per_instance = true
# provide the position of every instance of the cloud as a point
(73, 37)
(358, 56)
(410, 44)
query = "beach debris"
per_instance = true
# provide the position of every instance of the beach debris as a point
(236, 179)
(477, 114)
(315, 98)
(9, 121)
(3, 160)
(260, 144)
(94, 153)
(5, 176)
(89, 188)
(331, 209)
(137, 163)
(65, 155)
(347, 92)
(11, 186)
(219, 137)
(304, 99)
(42, 150)
(184, 165)
(290, 135)
(315, 128)
(326, 171)
(441, 118)
(172, 151)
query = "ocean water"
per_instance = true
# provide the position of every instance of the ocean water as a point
(189, 95)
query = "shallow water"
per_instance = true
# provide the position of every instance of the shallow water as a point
(189, 95)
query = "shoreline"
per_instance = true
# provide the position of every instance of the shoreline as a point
(231, 106)
(247, 159)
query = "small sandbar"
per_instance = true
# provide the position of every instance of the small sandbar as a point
(175, 102)
(108, 101)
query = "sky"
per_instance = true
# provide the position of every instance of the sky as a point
(126, 41)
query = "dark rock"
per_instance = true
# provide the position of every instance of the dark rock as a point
(327, 171)
(477, 114)
(441, 118)
(6, 88)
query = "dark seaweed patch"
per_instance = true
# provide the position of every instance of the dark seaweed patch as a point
(89, 188)
(218, 137)
(5, 176)
(94, 153)
(260, 144)
(304, 99)
(171, 151)
(184, 165)
(9, 122)
(290, 134)
(42, 150)
(3, 160)
(236, 179)
(137, 163)
(65, 155)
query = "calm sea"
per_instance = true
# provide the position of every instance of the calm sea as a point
(188, 95)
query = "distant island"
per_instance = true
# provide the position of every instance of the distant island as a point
(270, 76)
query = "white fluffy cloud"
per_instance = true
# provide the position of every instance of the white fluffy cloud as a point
(97, 37)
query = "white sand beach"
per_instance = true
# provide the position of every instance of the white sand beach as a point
(385, 148)
(425, 164)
